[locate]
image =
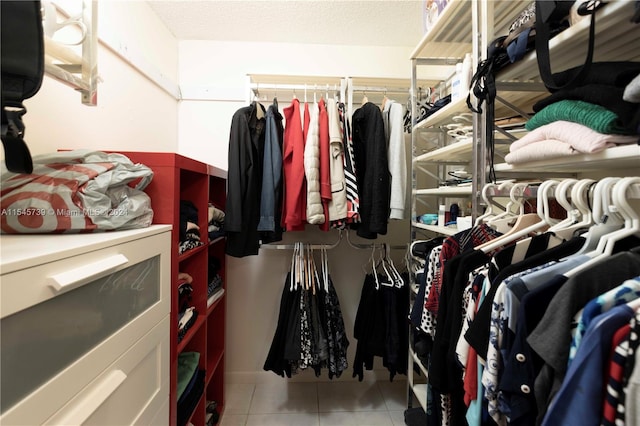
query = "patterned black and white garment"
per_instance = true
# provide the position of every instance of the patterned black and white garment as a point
(310, 332)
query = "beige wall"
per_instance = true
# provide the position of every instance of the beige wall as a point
(132, 113)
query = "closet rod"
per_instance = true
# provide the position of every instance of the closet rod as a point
(309, 87)
(373, 245)
(403, 90)
(331, 246)
(530, 191)
(319, 87)
(312, 246)
(323, 86)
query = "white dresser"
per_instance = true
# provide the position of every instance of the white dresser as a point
(84, 328)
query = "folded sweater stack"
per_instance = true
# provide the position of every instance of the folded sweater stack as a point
(561, 138)
(601, 112)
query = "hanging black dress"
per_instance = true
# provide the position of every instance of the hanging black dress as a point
(287, 318)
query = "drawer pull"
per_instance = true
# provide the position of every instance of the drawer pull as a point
(82, 408)
(77, 277)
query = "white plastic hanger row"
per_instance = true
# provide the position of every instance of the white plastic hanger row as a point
(602, 207)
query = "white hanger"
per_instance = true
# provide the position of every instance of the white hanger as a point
(325, 269)
(313, 271)
(306, 281)
(581, 214)
(562, 190)
(632, 217)
(488, 201)
(376, 265)
(542, 205)
(383, 263)
(544, 211)
(300, 266)
(373, 266)
(507, 185)
(397, 278)
(606, 222)
(631, 225)
(505, 222)
(294, 262)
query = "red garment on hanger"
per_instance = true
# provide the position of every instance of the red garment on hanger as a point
(325, 172)
(295, 192)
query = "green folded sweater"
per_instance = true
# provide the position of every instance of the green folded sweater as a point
(591, 115)
(187, 366)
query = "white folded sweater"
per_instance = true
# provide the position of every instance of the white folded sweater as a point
(562, 138)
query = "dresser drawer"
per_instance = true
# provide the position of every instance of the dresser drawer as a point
(130, 391)
(64, 322)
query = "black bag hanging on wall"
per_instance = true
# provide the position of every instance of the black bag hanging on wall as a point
(22, 62)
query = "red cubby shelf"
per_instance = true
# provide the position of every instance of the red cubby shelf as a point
(177, 178)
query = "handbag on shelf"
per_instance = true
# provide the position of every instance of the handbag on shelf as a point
(529, 31)
(22, 64)
(532, 29)
(551, 15)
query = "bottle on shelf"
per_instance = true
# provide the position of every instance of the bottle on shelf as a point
(465, 76)
(456, 89)
(442, 215)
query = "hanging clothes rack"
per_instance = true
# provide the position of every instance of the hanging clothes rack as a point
(344, 86)
(335, 88)
(261, 87)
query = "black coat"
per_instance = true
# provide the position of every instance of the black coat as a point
(244, 181)
(372, 170)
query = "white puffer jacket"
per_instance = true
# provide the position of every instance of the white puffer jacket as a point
(315, 212)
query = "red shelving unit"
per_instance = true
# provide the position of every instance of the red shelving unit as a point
(177, 178)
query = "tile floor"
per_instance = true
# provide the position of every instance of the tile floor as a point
(341, 403)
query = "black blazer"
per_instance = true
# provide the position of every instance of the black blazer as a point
(244, 181)
(372, 170)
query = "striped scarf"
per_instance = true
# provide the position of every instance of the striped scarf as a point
(353, 200)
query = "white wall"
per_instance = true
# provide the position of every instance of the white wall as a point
(133, 113)
(213, 81)
(218, 71)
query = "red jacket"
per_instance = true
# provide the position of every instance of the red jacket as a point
(294, 200)
(325, 173)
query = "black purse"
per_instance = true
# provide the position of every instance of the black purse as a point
(551, 15)
(22, 62)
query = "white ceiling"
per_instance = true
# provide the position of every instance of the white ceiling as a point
(350, 22)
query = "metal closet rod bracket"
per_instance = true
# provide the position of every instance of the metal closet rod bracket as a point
(341, 234)
(312, 246)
